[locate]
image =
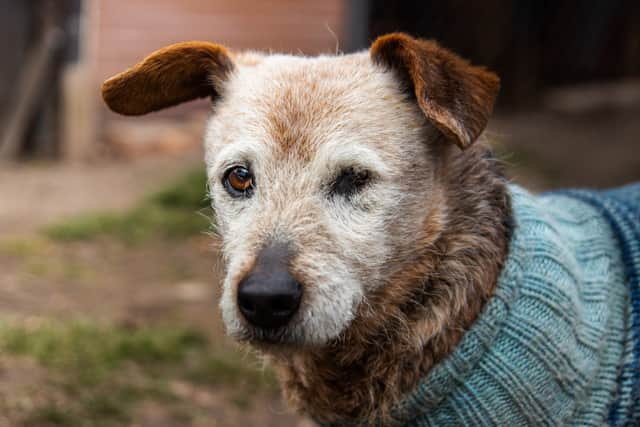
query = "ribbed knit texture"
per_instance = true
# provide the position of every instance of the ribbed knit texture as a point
(558, 343)
(621, 208)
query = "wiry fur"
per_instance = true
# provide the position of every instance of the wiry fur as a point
(456, 96)
(298, 121)
(392, 276)
(175, 74)
(419, 314)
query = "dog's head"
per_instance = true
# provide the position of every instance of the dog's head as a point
(323, 171)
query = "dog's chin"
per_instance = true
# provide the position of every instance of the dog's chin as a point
(270, 337)
(275, 346)
(285, 340)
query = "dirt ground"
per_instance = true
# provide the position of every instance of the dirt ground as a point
(111, 282)
(35, 194)
(169, 281)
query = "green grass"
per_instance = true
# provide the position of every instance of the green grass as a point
(91, 351)
(189, 192)
(23, 247)
(51, 415)
(38, 257)
(103, 371)
(228, 369)
(177, 211)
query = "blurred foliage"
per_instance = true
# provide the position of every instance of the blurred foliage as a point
(22, 248)
(177, 211)
(89, 348)
(189, 192)
(103, 371)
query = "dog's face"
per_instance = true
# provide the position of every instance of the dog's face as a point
(321, 170)
(336, 188)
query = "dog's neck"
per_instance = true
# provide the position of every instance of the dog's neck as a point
(420, 315)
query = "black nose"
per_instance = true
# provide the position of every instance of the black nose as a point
(269, 295)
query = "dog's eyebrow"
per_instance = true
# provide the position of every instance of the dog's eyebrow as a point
(336, 156)
(233, 154)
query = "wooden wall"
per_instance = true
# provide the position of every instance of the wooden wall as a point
(119, 33)
(533, 45)
(130, 29)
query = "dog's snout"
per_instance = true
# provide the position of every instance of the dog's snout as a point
(269, 304)
(269, 295)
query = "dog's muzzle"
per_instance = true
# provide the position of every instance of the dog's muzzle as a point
(269, 295)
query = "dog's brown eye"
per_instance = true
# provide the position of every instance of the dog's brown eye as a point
(238, 181)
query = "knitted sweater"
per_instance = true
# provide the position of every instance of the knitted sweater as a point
(559, 342)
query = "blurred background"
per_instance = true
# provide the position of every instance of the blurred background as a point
(108, 279)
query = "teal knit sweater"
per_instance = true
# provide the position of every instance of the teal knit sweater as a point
(559, 342)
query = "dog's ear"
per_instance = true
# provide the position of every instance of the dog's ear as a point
(456, 96)
(172, 75)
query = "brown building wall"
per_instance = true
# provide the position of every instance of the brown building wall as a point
(119, 33)
(130, 29)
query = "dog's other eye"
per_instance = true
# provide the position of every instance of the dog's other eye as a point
(349, 182)
(238, 181)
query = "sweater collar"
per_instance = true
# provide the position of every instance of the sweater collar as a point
(563, 267)
(454, 369)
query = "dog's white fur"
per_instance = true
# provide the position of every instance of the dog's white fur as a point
(335, 114)
(392, 272)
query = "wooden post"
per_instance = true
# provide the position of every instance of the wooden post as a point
(32, 82)
(80, 95)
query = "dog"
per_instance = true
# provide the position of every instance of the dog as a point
(376, 254)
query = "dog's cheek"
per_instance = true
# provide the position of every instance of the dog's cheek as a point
(239, 249)
(359, 237)
(238, 262)
(331, 295)
(230, 317)
(331, 312)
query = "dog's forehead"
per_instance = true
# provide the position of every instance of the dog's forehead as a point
(304, 87)
(293, 105)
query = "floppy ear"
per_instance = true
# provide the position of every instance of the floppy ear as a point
(456, 96)
(172, 75)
